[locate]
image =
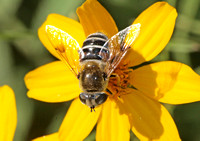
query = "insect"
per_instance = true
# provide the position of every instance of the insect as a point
(94, 62)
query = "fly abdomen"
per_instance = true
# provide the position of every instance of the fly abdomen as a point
(93, 47)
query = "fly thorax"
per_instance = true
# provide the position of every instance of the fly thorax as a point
(92, 77)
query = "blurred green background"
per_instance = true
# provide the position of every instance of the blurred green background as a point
(21, 51)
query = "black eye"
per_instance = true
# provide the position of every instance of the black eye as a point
(83, 98)
(101, 98)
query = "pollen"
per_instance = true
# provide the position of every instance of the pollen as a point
(119, 81)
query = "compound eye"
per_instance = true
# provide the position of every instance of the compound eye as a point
(83, 98)
(101, 98)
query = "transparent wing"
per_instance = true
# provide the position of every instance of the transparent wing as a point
(119, 44)
(66, 46)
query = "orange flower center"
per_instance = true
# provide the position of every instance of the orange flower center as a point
(119, 80)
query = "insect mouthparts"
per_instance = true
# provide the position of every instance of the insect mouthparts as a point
(92, 108)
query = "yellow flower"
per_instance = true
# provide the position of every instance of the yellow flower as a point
(137, 108)
(8, 113)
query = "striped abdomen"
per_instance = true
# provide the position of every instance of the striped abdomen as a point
(93, 47)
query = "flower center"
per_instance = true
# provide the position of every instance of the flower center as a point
(119, 80)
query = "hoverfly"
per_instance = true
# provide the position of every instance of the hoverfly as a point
(94, 62)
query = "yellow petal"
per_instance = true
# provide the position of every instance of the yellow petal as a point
(157, 25)
(72, 27)
(95, 18)
(8, 113)
(168, 81)
(112, 125)
(78, 122)
(149, 119)
(51, 137)
(53, 82)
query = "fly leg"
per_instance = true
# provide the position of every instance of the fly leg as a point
(108, 92)
(115, 84)
(115, 76)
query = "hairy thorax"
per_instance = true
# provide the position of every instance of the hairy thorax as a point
(92, 77)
